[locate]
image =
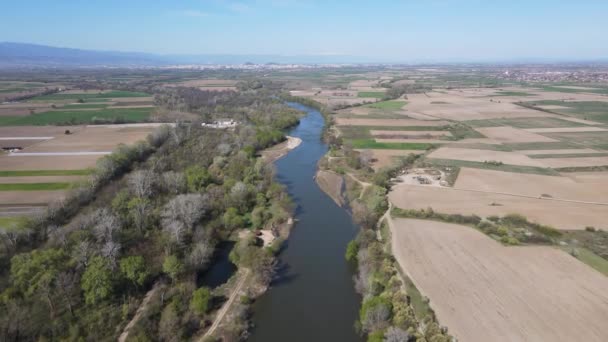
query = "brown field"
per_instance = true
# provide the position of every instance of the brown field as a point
(41, 179)
(483, 291)
(8, 163)
(532, 185)
(421, 141)
(600, 178)
(562, 151)
(559, 214)
(92, 139)
(566, 129)
(509, 134)
(388, 122)
(14, 111)
(574, 162)
(405, 134)
(10, 199)
(513, 158)
(383, 158)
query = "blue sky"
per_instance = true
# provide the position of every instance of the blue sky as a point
(394, 30)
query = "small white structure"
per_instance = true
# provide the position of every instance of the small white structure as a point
(221, 124)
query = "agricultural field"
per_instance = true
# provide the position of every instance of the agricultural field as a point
(508, 293)
(45, 162)
(77, 107)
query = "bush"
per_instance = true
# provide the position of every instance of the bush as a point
(201, 299)
(351, 251)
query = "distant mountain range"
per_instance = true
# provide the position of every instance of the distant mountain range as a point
(33, 55)
(22, 55)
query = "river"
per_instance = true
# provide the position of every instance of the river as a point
(313, 297)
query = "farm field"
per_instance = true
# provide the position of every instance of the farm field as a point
(47, 167)
(565, 215)
(508, 293)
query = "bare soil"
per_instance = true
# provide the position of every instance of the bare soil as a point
(484, 291)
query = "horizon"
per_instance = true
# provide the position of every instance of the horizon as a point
(440, 31)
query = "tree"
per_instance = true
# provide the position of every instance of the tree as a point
(394, 334)
(201, 299)
(351, 251)
(97, 282)
(134, 269)
(37, 273)
(201, 254)
(141, 183)
(173, 267)
(139, 209)
(375, 313)
(197, 178)
(182, 212)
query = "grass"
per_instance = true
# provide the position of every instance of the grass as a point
(34, 186)
(487, 166)
(12, 222)
(568, 155)
(420, 304)
(374, 94)
(33, 173)
(597, 140)
(553, 145)
(597, 90)
(59, 117)
(511, 93)
(84, 105)
(91, 95)
(534, 122)
(386, 105)
(591, 259)
(361, 132)
(373, 144)
(587, 110)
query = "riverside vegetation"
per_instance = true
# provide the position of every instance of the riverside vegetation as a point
(149, 218)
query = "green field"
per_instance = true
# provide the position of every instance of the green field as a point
(11, 222)
(34, 186)
(374, 94)
(386, 105)
(596, 90)
(372, 144)
(34, 173)
(90, 95)
(587, 110)
(534, 122)
(363, 132)
(84, 105)
(487, 166)
(568, 155)
(511, 93)
(59, 117)
(597, 140)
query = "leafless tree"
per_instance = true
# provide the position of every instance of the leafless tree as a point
(394, 334)
(365, 157)
(110, 251)
(376, 318)
(106, 224)
(174, 182)
(187, 209)
(201, 254)
(141, 183)
(82, 253)
(67, 285)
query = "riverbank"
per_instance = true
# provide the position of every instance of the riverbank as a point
(313, 283)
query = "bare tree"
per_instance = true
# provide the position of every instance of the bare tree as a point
(187, 209)
(376, 318)
(201, 254)
(106, 224)
(110, 251)
(366, 157)
(394, 334)
(82, 253)
(174, 182)
(139, 211)
(141, 183)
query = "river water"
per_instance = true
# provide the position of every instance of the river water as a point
(313, 297)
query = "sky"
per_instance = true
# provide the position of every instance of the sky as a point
(400, 31)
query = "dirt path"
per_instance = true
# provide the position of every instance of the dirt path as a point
(138, 313)
(365, 185)
(220, 315)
